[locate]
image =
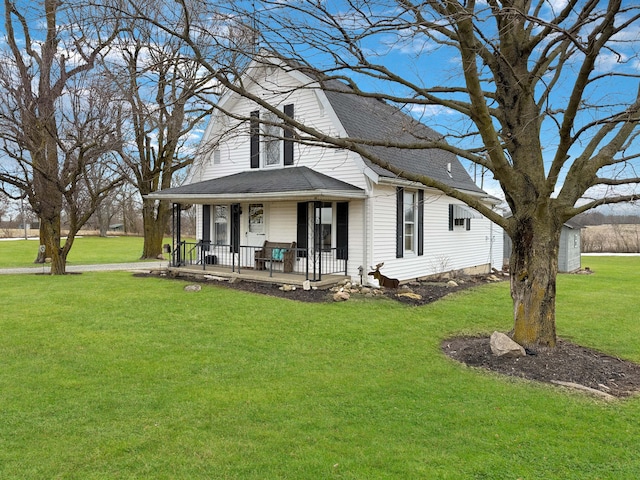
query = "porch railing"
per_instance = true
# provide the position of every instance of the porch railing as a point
(312, 264)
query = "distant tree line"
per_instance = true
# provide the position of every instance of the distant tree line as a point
(599, 218)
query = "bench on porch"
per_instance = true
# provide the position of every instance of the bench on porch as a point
(276, 252)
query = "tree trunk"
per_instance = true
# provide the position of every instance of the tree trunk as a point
(155, 220)
(50, 238)
(534, 267)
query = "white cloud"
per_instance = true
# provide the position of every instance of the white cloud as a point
(421, 111)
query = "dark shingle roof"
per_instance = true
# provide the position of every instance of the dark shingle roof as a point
(281, 180)
(370, 118)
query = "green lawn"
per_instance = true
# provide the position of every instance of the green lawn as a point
(104, 375)
(85, 251)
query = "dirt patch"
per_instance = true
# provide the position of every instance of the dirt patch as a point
(566, 363)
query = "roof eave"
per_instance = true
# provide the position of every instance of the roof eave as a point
(401, 182)
(303, 195)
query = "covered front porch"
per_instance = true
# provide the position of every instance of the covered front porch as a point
(281, 260)
(267, 224)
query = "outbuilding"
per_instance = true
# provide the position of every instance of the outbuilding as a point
(569, 252)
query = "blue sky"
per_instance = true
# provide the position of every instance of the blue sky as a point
(429, 64)
(423, 61)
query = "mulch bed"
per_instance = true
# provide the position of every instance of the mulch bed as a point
(566, 363)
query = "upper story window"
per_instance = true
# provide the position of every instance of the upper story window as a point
(270, 144)
(271, 141)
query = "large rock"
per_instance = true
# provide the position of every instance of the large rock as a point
(503, 346)
(341, 296)
(192, 288)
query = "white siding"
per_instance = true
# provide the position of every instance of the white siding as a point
(444, 250)
(282, 222)
(356, 241)
(232, 137)
(569, 252)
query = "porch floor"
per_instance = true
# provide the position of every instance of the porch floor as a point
(262, 276)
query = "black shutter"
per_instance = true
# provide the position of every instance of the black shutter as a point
(235, 227)
(342, 230)
(468, 223)
(450, 216)
(303, 232)
(254, 132)
(206, 226)
(288, 137)
(399, 222)
(420, 222)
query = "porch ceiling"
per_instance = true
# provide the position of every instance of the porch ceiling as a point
(292, 183)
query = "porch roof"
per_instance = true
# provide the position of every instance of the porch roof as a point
(291, 183)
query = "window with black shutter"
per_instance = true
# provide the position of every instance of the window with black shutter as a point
(254, 133)
(342, 230)
(288, 137)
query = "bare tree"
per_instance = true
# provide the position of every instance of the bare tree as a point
(167, 95)
(53, 126)
(163, 91)
(527, 83)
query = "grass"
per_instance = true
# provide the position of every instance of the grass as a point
(105, 375)
(85, 251)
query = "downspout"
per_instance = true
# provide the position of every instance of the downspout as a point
(490, 244)
(368, 243)
(367, 237)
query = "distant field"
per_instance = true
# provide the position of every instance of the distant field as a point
(33, 232)
(86, 250)
(624, 238)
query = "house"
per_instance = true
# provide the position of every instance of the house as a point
(331, 209)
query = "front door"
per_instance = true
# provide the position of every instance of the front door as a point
(256, 233)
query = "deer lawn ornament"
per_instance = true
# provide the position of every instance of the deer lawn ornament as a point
(385, 282)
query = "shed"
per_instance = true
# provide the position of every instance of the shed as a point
(569, 252)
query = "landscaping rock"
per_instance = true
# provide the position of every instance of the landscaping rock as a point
(411, 295)
(452, 283)
(306, 285)
(216, 278)
(192, 288)
(341, 296)
(503, 346)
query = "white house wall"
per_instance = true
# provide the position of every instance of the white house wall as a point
(444, 250)
(310, 108)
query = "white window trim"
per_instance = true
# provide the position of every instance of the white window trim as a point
(275, 136)
(414, 206)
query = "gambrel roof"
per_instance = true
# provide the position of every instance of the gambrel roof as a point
(361, 117)
(370, 118)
